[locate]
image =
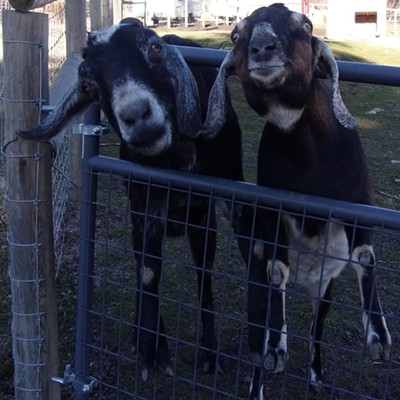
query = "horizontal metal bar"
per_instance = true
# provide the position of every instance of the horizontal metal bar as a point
(247, 192)
(348, 71)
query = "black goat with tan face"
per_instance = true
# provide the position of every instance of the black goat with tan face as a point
(156, 104)
(310, 145)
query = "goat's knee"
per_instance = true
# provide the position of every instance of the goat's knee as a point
(363, 256)
(259, 250)
(378, 337)
(278, 274)
(147, 275)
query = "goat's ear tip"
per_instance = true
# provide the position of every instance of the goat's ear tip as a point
(25, 135)
(207, 133)
(348, 122)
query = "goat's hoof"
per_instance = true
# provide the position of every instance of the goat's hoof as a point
(317, 386)
(379, 350)
(145, 374)
(275, 360)
(211, 364)
(167, 370)
(164, 367)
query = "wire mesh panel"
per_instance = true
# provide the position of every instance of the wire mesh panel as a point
(113, 363)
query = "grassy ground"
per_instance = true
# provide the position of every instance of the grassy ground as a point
(346, 365)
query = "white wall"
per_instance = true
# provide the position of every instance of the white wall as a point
(341, 19)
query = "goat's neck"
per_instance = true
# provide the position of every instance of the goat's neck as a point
(283, 116)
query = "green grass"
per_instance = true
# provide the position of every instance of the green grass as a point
(364, 52)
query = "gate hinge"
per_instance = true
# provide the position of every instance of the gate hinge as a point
(90, 130)
(69, 378)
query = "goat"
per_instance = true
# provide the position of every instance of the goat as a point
(309, 144)
(155, 102)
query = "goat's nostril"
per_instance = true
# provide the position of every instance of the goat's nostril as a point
(270, 46)
(147, 113)
(137, 111)
(262, 47)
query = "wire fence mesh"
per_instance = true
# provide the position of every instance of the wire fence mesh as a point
(349, 372)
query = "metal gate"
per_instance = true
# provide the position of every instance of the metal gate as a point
(105, 366)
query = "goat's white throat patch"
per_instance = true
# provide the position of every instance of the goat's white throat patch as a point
(282, 116)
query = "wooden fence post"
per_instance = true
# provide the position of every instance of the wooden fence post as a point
(29, 209)
(75, 11)
(101, 14)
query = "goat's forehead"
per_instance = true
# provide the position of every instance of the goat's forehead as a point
(264, 29)
(122, 33)
(103, 37)
(270, 19)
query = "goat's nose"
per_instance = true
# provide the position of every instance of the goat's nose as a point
(263, 46)
(137, 111)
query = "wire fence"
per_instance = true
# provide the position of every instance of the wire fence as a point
(111, 287)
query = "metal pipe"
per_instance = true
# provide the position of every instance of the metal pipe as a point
(248, 193)
(90, 150)
(348, 71)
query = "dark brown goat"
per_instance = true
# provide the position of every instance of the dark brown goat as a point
(156, 103)
(310, 145)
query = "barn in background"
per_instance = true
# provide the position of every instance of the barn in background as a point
(196, 11)
(335, 19)
(354, 19)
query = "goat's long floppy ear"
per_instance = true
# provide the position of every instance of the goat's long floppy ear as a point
(186, 93)
(217, 108)
(74, 102)
(327, 63)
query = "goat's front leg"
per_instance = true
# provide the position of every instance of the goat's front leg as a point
(320, 311)
(267, 319)
(378, 337)
(202, 236)
(268, 275)
(149, 340)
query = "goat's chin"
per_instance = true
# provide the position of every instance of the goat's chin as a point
(150, 146)
(269, 78)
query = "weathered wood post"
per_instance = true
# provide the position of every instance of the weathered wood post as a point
(29, 209)
(101, 14)
(75, 11)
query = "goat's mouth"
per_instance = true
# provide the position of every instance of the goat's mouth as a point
(270, 75)
(149, 141)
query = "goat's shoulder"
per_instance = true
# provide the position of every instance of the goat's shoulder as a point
(179, 41)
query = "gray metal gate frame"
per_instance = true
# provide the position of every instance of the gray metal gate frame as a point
(94, 163)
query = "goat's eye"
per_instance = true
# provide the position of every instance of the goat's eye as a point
(156, 47)
(85, 87)
(307, 27)
(234, 37)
